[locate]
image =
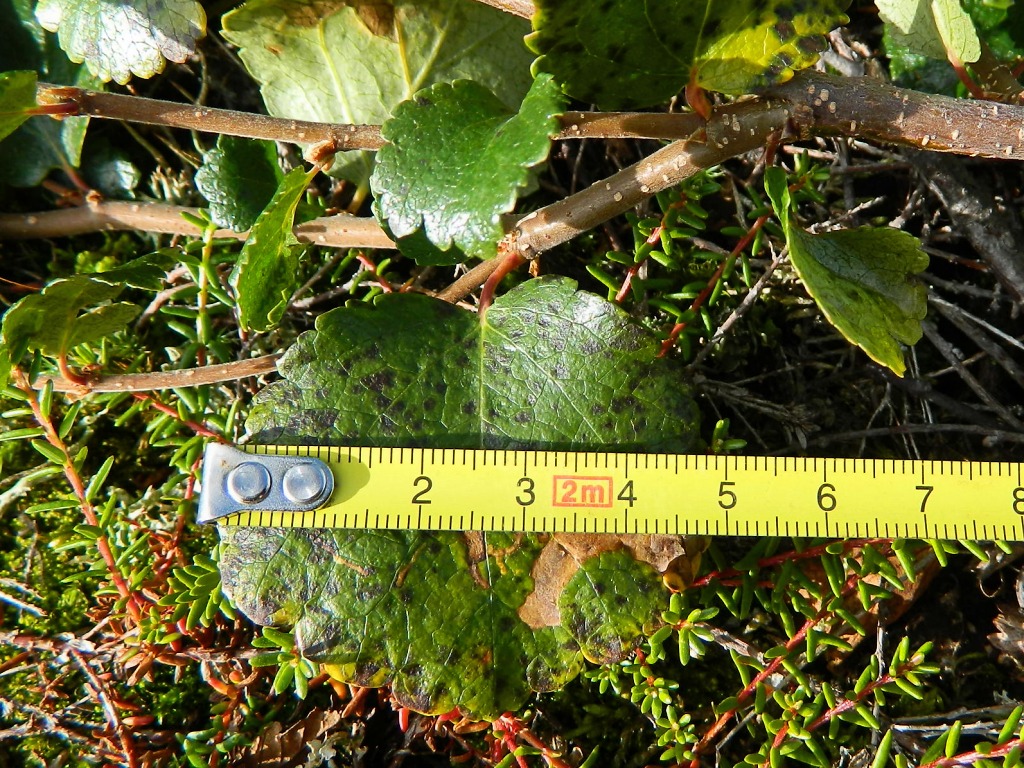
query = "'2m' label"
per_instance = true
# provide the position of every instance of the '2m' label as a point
(582, 491)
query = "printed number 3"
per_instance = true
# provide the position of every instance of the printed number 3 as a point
(528, 496)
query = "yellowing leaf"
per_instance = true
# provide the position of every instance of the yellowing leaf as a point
(635, 53)
(939, 29)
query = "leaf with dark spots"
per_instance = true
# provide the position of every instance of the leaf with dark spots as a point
(473, 620)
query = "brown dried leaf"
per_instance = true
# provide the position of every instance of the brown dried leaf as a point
(277, 747)
(1008, 638)
(676, 557)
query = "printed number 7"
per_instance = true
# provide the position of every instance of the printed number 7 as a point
(927, 492)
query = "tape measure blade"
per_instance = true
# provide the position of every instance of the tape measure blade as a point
(559, 491)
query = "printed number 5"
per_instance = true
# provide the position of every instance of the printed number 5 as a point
(726, 498)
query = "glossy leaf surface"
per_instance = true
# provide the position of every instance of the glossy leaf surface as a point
(456, 161)
(466, 619)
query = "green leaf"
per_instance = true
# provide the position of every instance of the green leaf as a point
(17, 98)
(5, 366)
(634, 53)
(50, 321)
(24, 40)
(861, 279)
(147, 272)
(465, 619)
(31, 152)
(238, 178)
(912, 70)
(1000, 25)
(344, 61)
(120, 38)
(456, 161)
(108, 168)
(938, 29)
(265, 276)
(39, 146)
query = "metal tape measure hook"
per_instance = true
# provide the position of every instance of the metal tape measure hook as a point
(235, 481)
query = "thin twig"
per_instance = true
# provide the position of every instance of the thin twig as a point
(968, 325)
(335, 137)
(998, 435)
(135, 109)
(561, 221)
(113, 718)
(340, 231)
(948, 351)
(742, 309)
(148, 382)
(19, 380)
(469, 282)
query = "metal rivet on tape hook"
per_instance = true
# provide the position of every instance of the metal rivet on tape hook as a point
(235, 481)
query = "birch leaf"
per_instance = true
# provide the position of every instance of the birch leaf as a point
(473, 620)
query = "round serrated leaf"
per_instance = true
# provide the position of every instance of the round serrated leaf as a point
(238, 178)
(455, 162)
(120, 38)
(338, 61)
(635, 53)
(468, 619)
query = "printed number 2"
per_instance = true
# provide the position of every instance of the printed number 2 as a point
(420, 497)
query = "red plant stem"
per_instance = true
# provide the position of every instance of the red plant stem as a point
(511, 261)
(843, 706)
(78, 488)
(849, 587)
(965, 77)
(708, 289)
(508, 727)
(371, 267)
(195, 426)
(60, 109)
(969, 758)
(70, 375)
(782, 557)
(652, 240)
(750, 688)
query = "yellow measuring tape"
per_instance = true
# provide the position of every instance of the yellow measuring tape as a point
(575, 492)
